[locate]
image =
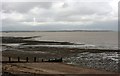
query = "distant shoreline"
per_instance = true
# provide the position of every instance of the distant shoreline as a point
(66, 31)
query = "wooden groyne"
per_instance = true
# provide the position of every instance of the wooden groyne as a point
(29, 60)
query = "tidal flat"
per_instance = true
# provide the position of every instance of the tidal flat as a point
(76, 54)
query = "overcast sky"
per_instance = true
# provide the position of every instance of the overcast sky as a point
(61, 15)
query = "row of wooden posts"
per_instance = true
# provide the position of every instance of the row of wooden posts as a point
(35, 60)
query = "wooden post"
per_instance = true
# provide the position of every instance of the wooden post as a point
(48, 60)
(9, 59)
(34, 59)
(61, 59)
(42, 60)
(18, 59)
(26, 59)
(55, 60)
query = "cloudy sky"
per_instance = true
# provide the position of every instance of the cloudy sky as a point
(60, 15)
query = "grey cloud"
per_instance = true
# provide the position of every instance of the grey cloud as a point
(64, 13)
(24, 7)
(86, 8)
(109, 25)
(67, 12)
(82, 9)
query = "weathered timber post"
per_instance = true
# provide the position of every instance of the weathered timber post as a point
(61, 59)
(42, 60)
(26, 59)
(35, 59)
(18, 59)
(9, 59)
(55, 60)
(48, 60)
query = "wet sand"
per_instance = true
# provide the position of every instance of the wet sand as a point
(48, 68)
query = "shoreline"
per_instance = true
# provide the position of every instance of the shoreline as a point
(65, 31)
(54, 52)
(29, 41)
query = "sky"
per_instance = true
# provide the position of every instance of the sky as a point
(33, 15)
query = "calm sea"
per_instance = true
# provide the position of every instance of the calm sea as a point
(98, 39)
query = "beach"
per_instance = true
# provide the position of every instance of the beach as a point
(78, 57)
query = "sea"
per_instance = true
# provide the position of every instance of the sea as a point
(99, 40)
(93, 39)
